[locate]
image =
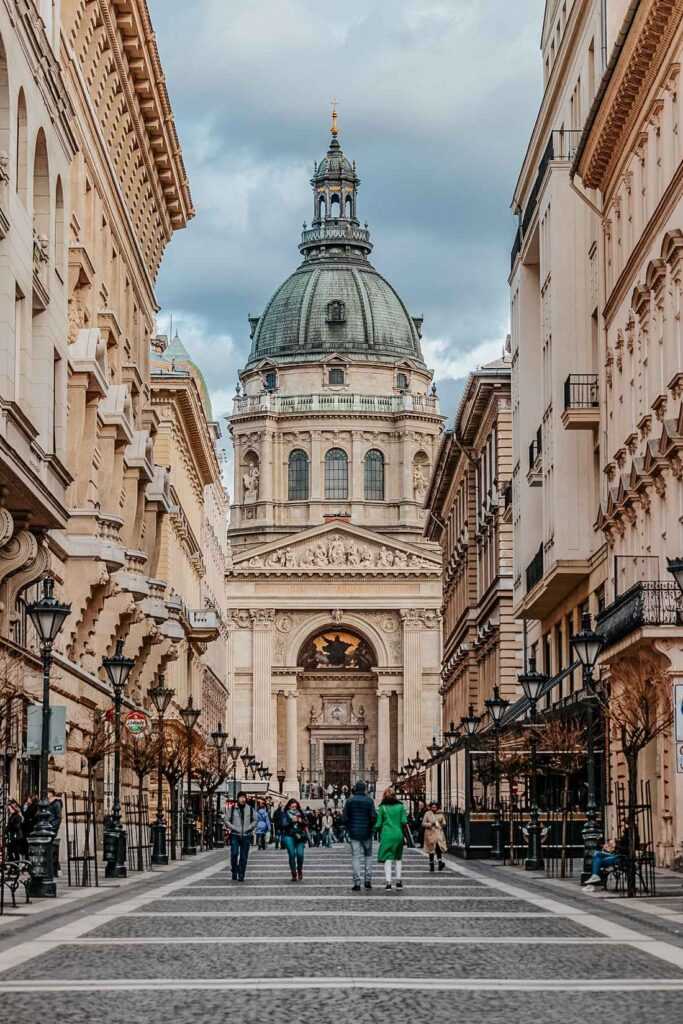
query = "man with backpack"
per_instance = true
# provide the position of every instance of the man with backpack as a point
(241, 823)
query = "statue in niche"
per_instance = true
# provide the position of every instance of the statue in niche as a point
(250, 482)
(419, 482)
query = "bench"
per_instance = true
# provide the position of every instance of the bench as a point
(14, 873)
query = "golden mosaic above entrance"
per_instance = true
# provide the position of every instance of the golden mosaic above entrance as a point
(337, 649)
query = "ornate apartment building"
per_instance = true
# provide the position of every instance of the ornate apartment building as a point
(334, 595)
(104, 464)
(630, 163)
(597, 360)
(469, 514)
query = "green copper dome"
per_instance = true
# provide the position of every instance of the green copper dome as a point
(335, 301)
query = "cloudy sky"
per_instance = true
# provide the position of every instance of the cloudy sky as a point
(436, 100)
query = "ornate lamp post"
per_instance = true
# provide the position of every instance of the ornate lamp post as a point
(469, 724)
(189, 715)
(160, 697)
(434, 750)
(47, 615)
(246, 760)
(281, 776)
(118, 669)
(587, 645)
(218, 740)
(234, 751)
(496, 706)
(532, 683)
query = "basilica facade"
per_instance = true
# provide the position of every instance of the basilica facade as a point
(335, 627)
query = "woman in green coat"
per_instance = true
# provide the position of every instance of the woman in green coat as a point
(391, 820)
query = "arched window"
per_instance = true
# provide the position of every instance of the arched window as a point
(321, 208)
(297, 476)
(41, 190)
(59, 228)
(4, 106)
(336, 474)
(22, 142)
(374, 476)
(348, 205)
(335, 206)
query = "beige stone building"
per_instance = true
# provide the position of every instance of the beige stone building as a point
(469, 513)
(629, 163)
(334, 652)
(109, 471)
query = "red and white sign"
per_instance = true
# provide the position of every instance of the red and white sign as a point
(135, 722)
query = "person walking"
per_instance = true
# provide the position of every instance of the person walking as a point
(326, 827)
(277, 825)
(359, 821)
(14, 832)
(391, 820)
(434, 823)
(294, 835)
(242, 823)
(263, 826)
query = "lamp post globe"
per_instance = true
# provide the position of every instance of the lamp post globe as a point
(533, 684)
(115, 839)
(47, 615)
(160, 697)
(496, 707)
(190, 716)
(586, 646)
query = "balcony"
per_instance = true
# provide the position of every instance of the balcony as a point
(534, 570)
(562, 145)
(581, 402)
(535, 473)
(270, 402)
(644, 605)
(342, 231)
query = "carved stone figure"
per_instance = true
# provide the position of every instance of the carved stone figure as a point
(250, 482)
(419, 483)
(337, 554)
(386, 557)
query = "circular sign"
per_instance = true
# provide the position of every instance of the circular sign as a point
(135, 722)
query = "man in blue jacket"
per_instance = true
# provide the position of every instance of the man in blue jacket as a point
(359, 821)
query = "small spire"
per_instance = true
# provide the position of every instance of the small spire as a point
(334, 129)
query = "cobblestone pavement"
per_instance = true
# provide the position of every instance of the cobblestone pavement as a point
(466, 945)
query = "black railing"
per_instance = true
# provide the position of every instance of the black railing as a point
(507, 496)
(562, 145)
(536, 448)
(581, 391)
(647, 603)
(534, 570)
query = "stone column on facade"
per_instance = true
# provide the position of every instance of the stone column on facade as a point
(383, 742)
(316, 457)
(356, 466)
(291, 782)
(669, 840)
(262, 721)
(400, 748)
(412, 681)
(266, 469)
(406, 491)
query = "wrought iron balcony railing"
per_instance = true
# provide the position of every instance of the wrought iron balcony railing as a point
(581, 391)
(534, 570)
(648, 603)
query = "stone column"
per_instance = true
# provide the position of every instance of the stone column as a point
(291, 782)
(412, 682)
(316, 455)
(383, 745)
(400, 750)
(262, 723)
(267, 470)
(356, 492)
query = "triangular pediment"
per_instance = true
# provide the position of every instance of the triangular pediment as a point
(339, 548)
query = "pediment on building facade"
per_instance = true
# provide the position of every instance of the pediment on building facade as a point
(338, 548)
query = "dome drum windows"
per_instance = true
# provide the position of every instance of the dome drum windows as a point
(373, 474)
(298, 476)
(402, 381)
(269, 379)
(336, 474)
(336, 312)
(336, 377)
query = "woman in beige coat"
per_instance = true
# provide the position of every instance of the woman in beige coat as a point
(433, 824)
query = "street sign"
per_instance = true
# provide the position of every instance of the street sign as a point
(135, 722)
(34, 729)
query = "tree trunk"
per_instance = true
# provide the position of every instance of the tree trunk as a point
(141, 779)
(632, 819)
(565, 803)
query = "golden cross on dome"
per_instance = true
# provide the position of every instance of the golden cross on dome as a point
(334, 128)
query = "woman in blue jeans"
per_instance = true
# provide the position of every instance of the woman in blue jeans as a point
(294, 836)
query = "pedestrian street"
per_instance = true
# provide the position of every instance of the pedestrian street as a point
(457, 945)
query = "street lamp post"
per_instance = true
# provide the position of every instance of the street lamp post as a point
(496, 706)
(160, 696)
(218, 739)
(532, 683)
(118, 668)
(470, 724)
(281, 776)
(587, 645)
(234, 751)
(189, 715)
(47, 615)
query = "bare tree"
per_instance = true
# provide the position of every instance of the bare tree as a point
(173, 762)
(99, 744)
(210, 769)
(562, 743)
(141, 754)
(639, 708)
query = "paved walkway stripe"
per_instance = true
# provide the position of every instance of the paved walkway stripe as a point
(274, 940)
(300, 894)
